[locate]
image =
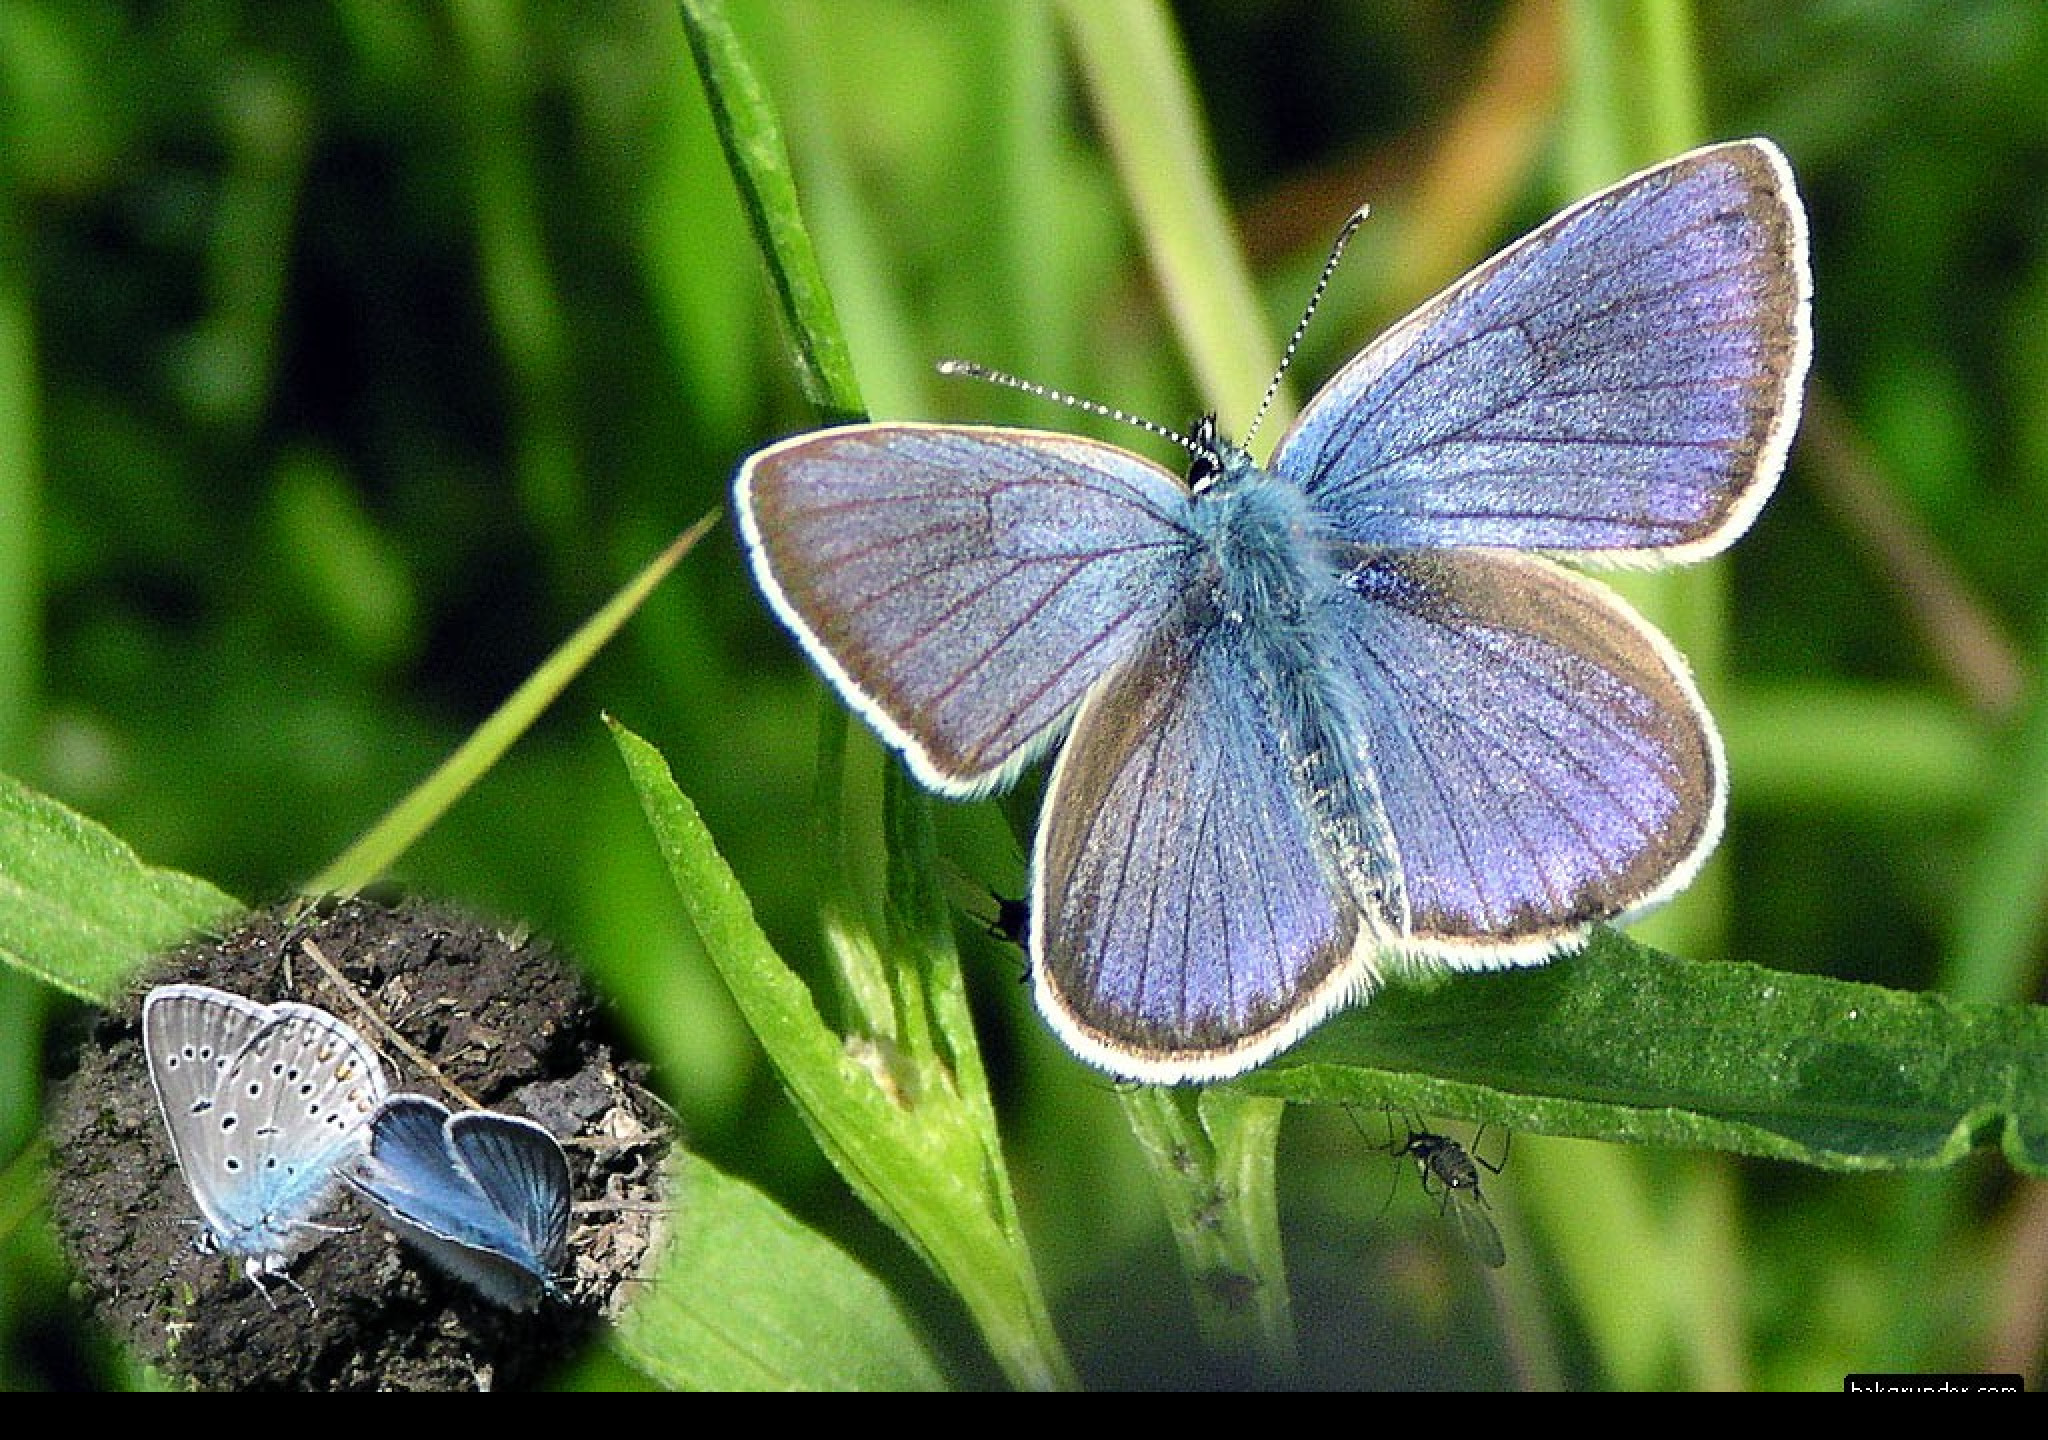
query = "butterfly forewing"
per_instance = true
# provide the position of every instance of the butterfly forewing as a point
(522, 1169)
(291, 1107)
(191, 1035)
(407, 1151)
(1624, 379)
(963, 587)
(411, 1176)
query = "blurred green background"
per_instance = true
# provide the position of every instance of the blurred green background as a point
(352, 353)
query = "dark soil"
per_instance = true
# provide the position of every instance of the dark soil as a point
(506, 1020)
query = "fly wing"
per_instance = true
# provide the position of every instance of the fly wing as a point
(1467, 1209)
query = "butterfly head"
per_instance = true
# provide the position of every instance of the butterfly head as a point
(1209, 455)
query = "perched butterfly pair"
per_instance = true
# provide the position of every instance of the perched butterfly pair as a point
(1339, 710)
(271, 1108)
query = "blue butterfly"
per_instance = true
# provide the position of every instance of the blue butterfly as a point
(263, 1103)
(1341, 710)
(483, 1195)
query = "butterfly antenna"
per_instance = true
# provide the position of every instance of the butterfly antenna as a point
(973, 371)
(1315, 298)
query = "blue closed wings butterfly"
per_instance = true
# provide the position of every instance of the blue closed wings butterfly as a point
(1339, 709)
(263, 1103)
(482, 1194)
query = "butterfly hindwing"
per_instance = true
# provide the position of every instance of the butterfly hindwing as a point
(306, 1083)
(521, 1167)
(1547, 761)
(1188, 900)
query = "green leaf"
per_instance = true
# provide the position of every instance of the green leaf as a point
(78, 909)
(751, 132)
(1145, 101)
(1623, 1043)
(750, 1299)
(906, 1134)
(899, 1103)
